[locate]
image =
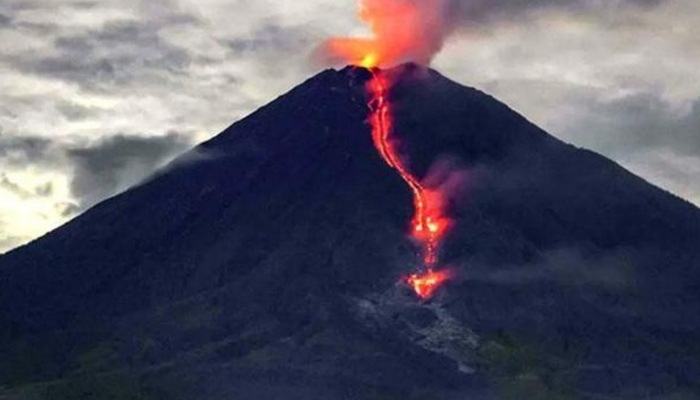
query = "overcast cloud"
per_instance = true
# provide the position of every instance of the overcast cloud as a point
(95, 95)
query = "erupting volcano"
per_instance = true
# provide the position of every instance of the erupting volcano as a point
(186, 288)
(263, 263)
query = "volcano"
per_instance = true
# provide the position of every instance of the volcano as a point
(270, 263)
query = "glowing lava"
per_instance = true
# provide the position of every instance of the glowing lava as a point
(426, 284)
(428, 225)
(401, 31)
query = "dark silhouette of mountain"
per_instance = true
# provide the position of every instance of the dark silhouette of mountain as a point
(264, 265)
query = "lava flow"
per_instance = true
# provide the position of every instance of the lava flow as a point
(427, 283)
(401, 31)
(428, 226)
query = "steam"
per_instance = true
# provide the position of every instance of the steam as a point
(416, 30)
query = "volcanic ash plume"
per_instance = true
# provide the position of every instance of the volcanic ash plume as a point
(415, 30)
(402, 31)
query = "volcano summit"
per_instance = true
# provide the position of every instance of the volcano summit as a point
(270, 265)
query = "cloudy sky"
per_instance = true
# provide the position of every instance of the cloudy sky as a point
(96, 94)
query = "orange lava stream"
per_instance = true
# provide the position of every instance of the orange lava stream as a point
(427, 226)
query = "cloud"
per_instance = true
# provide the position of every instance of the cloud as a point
(271, 38)
(43, 183)
(76, 112)
(468, 14)
(19, 151)
(120, 53)
(13, 187)
(113, 164)
(668, 169)
(67, 209)
(261, 49)
(644, 132)
(42, 190)
(4, 21)
(10, 242)
(645, 120)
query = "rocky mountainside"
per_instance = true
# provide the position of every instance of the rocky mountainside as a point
(266, 264)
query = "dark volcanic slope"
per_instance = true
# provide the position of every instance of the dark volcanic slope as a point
(264, 264)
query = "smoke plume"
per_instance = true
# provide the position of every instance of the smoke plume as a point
(402, 30)
(416, 30)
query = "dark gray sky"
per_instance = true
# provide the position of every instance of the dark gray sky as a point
(94, 95)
